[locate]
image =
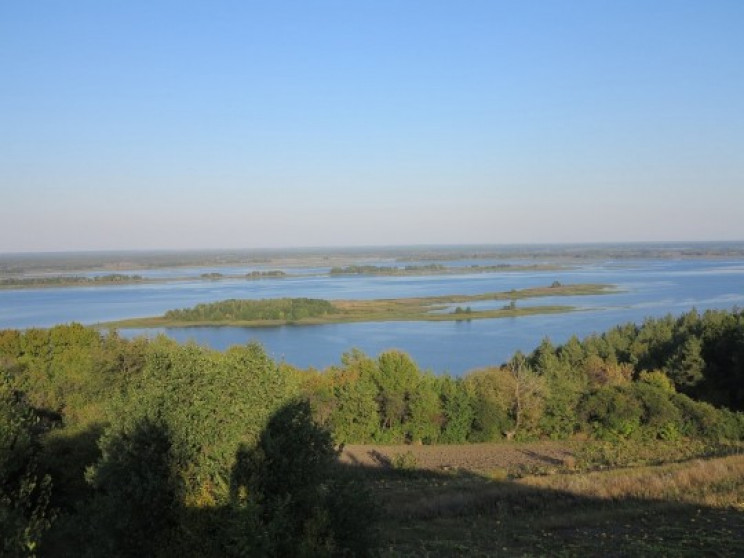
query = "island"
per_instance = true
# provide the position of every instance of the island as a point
(308, 311)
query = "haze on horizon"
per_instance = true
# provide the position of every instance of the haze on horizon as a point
(219, 125)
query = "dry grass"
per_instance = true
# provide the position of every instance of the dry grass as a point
(713, 482)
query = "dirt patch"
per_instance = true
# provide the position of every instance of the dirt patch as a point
(478, 458)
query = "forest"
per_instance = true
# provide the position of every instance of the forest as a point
(111, 446)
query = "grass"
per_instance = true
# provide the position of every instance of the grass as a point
(403, 309)
(691, 508)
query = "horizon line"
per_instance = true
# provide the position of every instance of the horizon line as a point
(337, 247)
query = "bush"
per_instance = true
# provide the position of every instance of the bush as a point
(404, 461)
(661, 418)
(702, 420)
(612, 413)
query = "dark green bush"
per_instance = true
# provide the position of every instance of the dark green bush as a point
(612, 413)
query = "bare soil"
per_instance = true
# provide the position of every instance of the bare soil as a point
(477, 458)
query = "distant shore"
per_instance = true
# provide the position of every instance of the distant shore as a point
(27, 265)
(65, 281)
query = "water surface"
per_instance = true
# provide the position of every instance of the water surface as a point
(647, 288)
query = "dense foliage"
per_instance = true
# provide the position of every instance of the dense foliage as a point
(24, 491)
(111, 446)
(545, 395)
(248, 310)
(154, 448)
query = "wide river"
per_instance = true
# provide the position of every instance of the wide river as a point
(647, 288)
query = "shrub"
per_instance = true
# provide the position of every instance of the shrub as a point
(661, 418)
(404, 461)
(702, 420)
(612, 413)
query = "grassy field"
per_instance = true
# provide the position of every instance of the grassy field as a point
(436, 308)
(553, 501)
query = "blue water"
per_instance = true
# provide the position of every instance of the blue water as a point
(647, 288)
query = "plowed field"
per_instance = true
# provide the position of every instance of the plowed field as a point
(478, 458)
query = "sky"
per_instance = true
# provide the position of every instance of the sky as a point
(246, 124)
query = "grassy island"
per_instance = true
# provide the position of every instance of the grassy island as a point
(305, 311)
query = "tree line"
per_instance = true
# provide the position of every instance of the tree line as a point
(290, 309)
(61, 280)
(668, 379)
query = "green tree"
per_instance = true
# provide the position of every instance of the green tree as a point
(563, 392)
(396, 378)
(25, 511)
(303, 508)
(457, 410)
(686, 368)
(210, 403)
(426, 419)
(139, 490)
(490, 416)
(355, 418)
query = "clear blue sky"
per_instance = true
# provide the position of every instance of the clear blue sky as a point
(217, 124)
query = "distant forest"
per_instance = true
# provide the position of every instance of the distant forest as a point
(63, 280)
(19, 264)
(149, 447)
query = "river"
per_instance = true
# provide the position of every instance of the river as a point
(647, 288)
